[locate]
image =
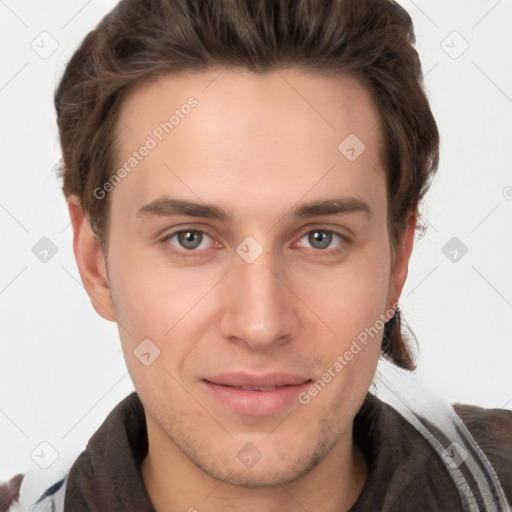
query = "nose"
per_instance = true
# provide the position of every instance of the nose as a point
(259, 307)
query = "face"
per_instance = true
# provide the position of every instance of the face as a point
(248, 247)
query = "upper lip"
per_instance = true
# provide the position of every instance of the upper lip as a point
(241, 379)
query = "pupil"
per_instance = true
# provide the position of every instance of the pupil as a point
(322, 237)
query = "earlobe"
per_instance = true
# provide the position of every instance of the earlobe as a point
(90, 261)
(400, 264)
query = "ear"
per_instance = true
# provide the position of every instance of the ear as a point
(90, 260)
(399, 266)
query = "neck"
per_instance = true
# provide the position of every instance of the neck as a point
(174, 483)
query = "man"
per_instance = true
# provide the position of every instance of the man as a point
(243, 181)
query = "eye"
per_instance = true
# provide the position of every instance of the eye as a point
(321, 239)
(187, 240)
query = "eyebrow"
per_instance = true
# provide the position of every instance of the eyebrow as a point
(330, 206)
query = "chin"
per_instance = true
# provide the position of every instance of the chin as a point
(271, 470)
(263, 476)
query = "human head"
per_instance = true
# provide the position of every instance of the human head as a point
(138, 41)
(246, 145)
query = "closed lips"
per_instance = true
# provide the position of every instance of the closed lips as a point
(255, 395)
(249, 382)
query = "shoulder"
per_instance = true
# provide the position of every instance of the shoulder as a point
(11, 497)
(492, 430)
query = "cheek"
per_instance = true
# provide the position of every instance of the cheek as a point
(155, 301)
(349, 300)
(151, 310)
(348, 297)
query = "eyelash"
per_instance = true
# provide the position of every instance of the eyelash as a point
(194, 253)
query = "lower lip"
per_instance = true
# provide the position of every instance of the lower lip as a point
(255, 403)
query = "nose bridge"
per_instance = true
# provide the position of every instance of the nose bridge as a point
(260, 308)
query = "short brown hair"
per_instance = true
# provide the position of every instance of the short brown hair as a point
(140, 40)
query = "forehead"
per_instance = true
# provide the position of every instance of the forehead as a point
(279, 132)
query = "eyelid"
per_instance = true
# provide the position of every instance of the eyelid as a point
(338, 230)
(172, 234)
(344, 239)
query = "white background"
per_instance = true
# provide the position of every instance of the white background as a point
(62, 369)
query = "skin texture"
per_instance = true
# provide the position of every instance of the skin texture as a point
(257, 145)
